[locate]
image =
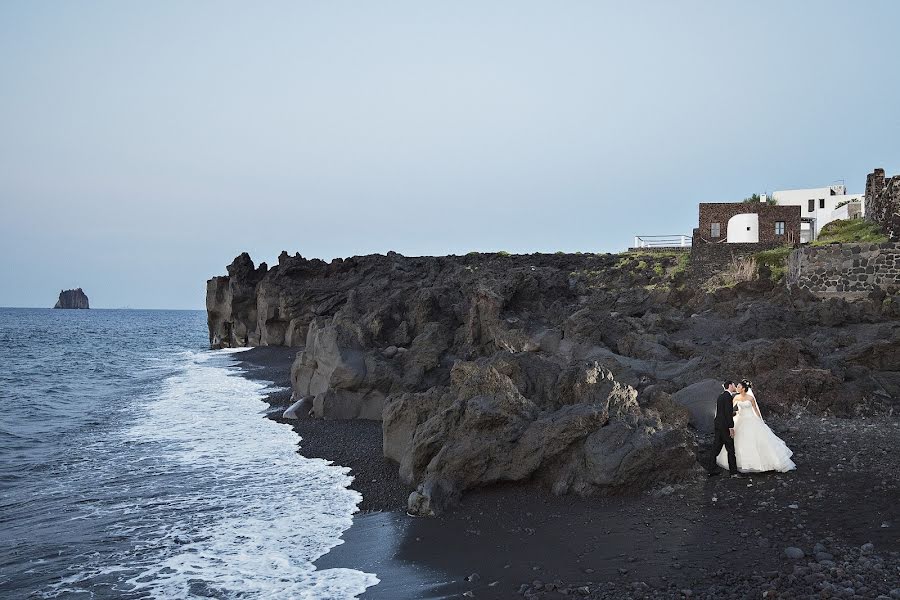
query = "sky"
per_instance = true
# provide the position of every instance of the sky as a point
(144, 145)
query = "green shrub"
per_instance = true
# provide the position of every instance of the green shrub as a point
(503, 253)
(775, 259)
(848, 231)
(740, 269)
(684, 259)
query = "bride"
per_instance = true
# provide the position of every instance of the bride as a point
(756, 447)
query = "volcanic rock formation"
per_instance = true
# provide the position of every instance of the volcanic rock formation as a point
(560, 368)
(72, 299)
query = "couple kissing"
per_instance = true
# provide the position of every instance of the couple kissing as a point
(743, 442)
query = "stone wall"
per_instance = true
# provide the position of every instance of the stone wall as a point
(883, 202)
(710, 259)
(846, 269)
(721, 212)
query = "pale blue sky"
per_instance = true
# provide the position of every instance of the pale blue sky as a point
(143, 146)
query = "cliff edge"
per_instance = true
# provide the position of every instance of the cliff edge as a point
(568, 369)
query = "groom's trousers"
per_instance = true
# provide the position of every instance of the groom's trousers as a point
(723, 438)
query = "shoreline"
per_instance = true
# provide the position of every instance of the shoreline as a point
(722, 537)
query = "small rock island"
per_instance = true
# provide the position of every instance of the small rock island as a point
(72, 299)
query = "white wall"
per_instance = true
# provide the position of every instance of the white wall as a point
(847, 211)
(743, 228)
(822, 215)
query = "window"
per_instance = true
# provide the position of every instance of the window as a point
(779, 227)
(812, 205)
(821, 202)
(714, 230)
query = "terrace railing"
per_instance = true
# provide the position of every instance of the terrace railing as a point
(662, 241)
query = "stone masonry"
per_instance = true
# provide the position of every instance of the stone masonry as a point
(883, 202)
(846, 269)
(709, 259)
(721, 212)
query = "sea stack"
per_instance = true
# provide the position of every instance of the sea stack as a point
(72, 299)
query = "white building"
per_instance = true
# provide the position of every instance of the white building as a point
(819, 206)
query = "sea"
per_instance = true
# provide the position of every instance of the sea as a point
(137, 463)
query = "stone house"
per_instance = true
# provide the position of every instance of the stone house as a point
(748, 223)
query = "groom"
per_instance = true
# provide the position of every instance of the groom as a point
(724, 428)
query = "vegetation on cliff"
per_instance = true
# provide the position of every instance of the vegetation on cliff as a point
(846, 231)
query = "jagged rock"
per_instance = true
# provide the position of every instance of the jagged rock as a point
(489, 368)
(480, 429)
(231, 305)
(72, 299)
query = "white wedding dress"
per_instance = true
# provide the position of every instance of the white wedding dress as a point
(756, 447)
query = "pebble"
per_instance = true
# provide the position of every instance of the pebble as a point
(794, 553)
(867, 548)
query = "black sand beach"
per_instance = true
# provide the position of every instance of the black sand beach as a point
(708, 538)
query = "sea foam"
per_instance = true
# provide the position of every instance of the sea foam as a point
(217, 503)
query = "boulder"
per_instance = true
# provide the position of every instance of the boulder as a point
(301, 406)
(480, 430)
(700, 400)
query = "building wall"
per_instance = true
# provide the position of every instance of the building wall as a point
(846, 269)
(883, 202)
(822, 214)
(848, 211)
(743, 228)
(722, 212)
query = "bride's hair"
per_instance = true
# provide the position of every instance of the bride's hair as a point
(746, 383)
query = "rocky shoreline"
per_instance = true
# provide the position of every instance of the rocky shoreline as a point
(585, 374)
(353, 443)
(703, 538)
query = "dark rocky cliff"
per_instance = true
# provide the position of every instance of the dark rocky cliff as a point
(72, 299)
(561, 368)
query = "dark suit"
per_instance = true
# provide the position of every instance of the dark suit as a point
(724, 421)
